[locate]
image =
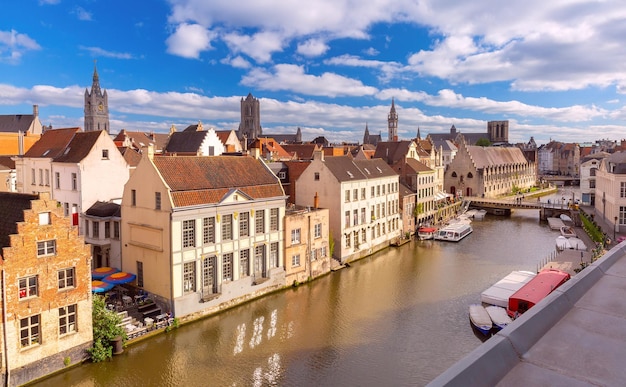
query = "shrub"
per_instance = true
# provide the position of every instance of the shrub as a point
(105, 329)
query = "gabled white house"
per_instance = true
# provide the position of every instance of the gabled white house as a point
(363, 199)
(79, 169)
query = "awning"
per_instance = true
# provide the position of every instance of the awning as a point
(441, 196)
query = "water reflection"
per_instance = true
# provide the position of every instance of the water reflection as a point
(396, 318)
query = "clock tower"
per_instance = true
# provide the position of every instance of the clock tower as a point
(96, 106)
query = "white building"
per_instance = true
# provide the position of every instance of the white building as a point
(363, 199)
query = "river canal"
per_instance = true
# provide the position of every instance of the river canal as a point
(396, 318)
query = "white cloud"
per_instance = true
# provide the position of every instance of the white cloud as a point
(312, 48)
(82, 14)
(388, 69)
(293, 78)
(189, 40)
(51, 2)
(100, 52)
(236, 62)
(13, 45)
(371, 51)
(259, 46)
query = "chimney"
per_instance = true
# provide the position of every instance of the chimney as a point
(316, 201)
(318, 154)
(36, 111)
(150, 151)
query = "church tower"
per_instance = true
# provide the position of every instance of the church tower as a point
(392, 123)
(96, 106)
(366, 135)
(250, 125)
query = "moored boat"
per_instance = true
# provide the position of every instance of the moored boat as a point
(425, 233)
(562, 243)
(536, 290)
(498, 316)
(454, 232)
(568, 232)
(480, 214)
(480, 319)
(576, 244)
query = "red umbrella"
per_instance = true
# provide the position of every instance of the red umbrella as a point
(120, 278)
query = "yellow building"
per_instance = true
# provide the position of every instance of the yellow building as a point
(203, 232)
(307, 249)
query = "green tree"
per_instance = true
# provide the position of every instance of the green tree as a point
(105, 329)
(483, 142)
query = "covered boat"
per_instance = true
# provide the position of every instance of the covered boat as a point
(576, 244)
(536, 290)
(562, 243)
(498, 316)
(425, 232)
(480, 319)
(499, 293)
(454, 232)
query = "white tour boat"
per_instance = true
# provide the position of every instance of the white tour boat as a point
(454, 232)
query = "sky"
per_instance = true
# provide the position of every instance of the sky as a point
(554, 69)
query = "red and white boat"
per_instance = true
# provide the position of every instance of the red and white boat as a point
(426, 232)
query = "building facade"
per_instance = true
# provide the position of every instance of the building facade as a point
(610, 194)
(307, 250)
(46, 293)
(488, 171)
(203, 233)
(364, 197)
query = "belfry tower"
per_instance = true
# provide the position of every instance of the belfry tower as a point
(392, 123)
(250, 125)
(96, 106)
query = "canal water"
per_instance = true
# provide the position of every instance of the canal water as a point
(396, 318)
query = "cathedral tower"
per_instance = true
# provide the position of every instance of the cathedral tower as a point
(250, 125)
(96, 106)
(392, 123)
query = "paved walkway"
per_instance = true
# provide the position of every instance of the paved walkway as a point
(575, 337)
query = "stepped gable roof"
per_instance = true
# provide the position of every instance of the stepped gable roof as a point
(186, 141)
(12, 206)
(79, 147)
(141, 139)
(223, 135)
(6, 162)
(52, 143)
(418, 166)
(204, 180)
(13, 123)
(104, 209)
(488, 156)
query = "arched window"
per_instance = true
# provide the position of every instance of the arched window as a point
(469, 175)
(453, 174)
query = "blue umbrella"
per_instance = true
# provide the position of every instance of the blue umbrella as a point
(120, 278)
(102, 272)
(100, 286)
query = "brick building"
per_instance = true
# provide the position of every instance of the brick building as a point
(46, 292)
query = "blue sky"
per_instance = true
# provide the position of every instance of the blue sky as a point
(554, 69)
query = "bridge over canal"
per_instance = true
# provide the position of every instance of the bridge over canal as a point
(505, 206)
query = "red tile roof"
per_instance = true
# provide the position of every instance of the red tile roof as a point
(207, 179)
(79, 147)
(52, 143)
